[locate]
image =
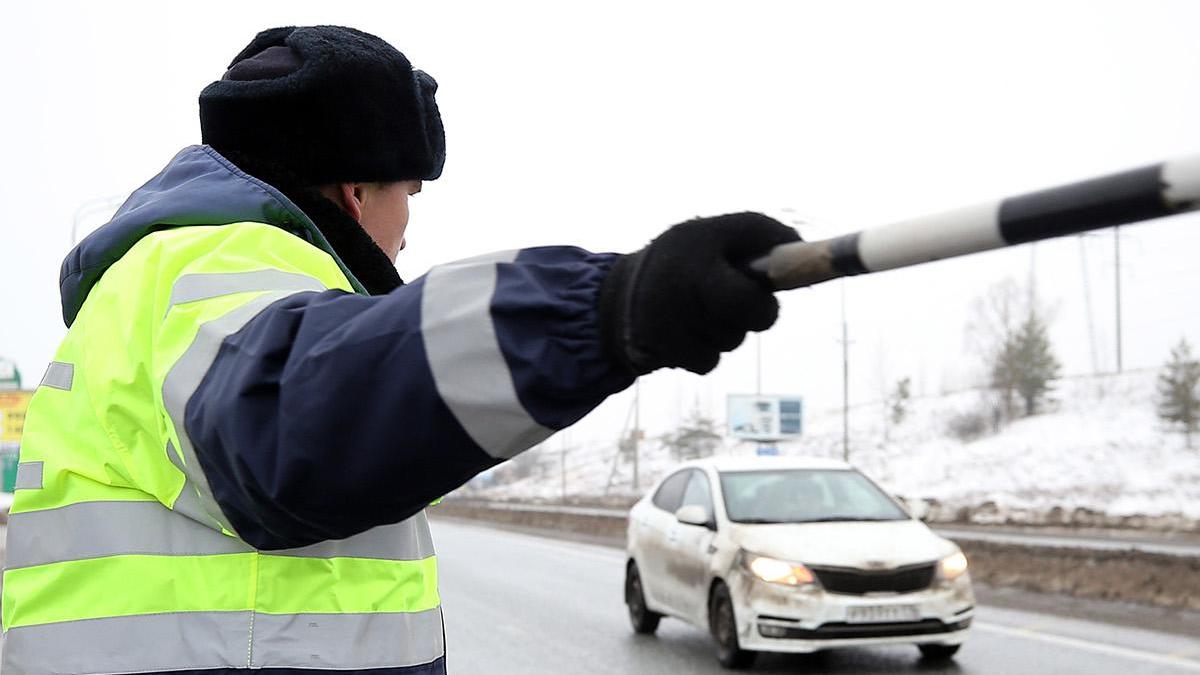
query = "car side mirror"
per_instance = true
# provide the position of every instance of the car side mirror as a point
(694, 515)
(917, 511)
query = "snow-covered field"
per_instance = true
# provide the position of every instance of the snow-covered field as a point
(1100, 448)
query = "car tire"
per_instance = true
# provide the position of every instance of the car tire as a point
(723, 624)
(938, 652)
(644, 621)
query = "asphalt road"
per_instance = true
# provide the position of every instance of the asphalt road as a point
(517, 603)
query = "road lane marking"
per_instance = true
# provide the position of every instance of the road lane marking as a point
(1100, 648)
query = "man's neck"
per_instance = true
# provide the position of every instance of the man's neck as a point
(369, 264)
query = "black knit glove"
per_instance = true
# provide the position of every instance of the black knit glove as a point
(689, 295)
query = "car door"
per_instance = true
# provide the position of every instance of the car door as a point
(691, 551)
(654, 530)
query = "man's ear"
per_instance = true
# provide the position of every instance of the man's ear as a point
(350, 198)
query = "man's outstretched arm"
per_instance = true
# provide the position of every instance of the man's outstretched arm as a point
(326, 413)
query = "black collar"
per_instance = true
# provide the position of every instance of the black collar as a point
(366, 261)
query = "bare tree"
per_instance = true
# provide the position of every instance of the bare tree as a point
(994, 320)
(1178, 398)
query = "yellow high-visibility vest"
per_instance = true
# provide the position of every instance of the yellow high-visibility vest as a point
(119, 559)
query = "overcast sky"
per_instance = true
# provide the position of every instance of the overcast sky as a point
(599, 125)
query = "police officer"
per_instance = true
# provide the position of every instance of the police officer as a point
(227, 464)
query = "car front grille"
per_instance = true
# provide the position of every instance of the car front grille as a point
(845, 631)
(859, 582)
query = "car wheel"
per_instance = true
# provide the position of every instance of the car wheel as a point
(938, 652)
(644, 621)
(723, 624)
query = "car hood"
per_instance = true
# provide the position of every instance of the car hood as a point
(871, 545)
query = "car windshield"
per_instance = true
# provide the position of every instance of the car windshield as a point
(805, 496)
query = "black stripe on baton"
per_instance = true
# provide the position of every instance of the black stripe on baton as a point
(1120, 198)
(844, 257)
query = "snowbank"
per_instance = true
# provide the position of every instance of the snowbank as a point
(1100, 451)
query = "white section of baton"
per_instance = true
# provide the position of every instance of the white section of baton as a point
(943, 235)
(1182, 177)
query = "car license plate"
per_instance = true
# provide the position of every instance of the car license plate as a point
(882, 613)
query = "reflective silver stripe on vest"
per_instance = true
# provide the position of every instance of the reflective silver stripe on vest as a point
(188, 501)
(59, 375)
(185, 377)
(130, 644)
(29, 476)
(407, 540)
(193, 287)
(98, 529)
(347, 641)
(202, 640)
(465, 358)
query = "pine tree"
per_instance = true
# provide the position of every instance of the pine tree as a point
(1038, 366)
(1178, 398)
(1025, 364)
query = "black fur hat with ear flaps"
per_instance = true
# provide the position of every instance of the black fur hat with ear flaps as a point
(332, 104)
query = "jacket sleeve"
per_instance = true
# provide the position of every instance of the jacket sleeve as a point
(323, 413)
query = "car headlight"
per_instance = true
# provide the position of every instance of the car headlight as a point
(952, 566)
(775, 571)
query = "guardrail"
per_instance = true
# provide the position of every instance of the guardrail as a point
(1085, 567)
(982, 534)
(1071, 541)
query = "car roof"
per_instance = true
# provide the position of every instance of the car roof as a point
(756, 463)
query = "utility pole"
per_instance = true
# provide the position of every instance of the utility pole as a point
(1032, 275)
(758, 366)
(845, 380)
(1117, 276)
(1087, 303)
(637, 429)
(621, 441)
(563, 467)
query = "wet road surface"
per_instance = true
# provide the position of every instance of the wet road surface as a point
(518, 603)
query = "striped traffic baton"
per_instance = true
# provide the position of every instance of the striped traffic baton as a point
(1127, 197)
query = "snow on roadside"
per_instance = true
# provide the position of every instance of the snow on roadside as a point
(1101, 448)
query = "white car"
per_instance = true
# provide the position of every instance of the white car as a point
(781, 554)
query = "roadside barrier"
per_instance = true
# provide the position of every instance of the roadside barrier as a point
(1163, 576)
